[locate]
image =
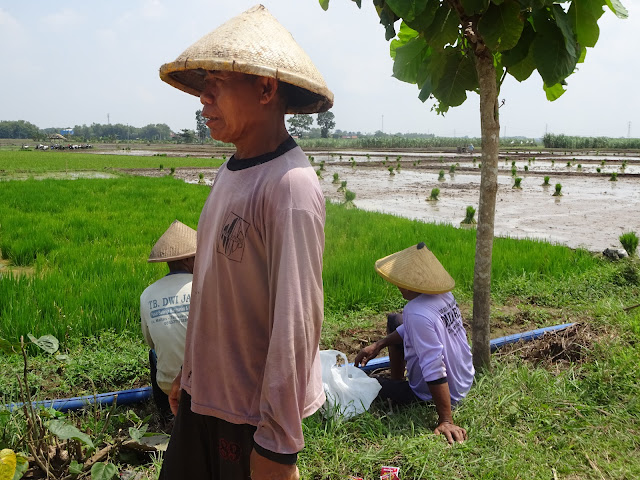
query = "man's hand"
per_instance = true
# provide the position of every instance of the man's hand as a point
(264, 469)
(174, 395)
(366, 354)
(452, 432)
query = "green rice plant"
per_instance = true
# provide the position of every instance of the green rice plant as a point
(336, 178)
(441, 159)
(319, 174)
(568, 164)
(603, 162)
(629, 241)
(469, 216)
(368, 156)
(349, 197)
(441, 175)
(173, 170)
(434, 194)
(530, 159)
(452, 169)
(311, 159)
(390, 171)
(479, 165)
(514, 171)
(224, 157)
(613, 177)
(526, 168)
(553, 162)
(340, 157)
(201, 178)
(579, 166)
(322, 165)
(414, 164)
(352, 159)
(399, 157)
(513, 164)
(343, 186)
(558, 191)
(516, 182)
(398, 168)
(161, 167)
(598, 169)
(545, 183)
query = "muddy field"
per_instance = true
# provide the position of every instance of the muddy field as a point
(592, 212)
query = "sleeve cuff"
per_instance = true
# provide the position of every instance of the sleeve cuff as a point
(439, 381)
(283, 458)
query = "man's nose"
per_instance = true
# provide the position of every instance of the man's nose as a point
(206, 97)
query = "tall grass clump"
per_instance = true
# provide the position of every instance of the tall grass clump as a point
(469, 218)
(434, 194)
(558, 191)
(545, 183)
(629, 241)
(516, 183)
(343, 186)
(336, 178)
(390, 171)
(613, 177)
(441, 175)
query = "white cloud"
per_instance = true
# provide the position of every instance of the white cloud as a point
(65, 19)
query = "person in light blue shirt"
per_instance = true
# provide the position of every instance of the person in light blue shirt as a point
(428, 337)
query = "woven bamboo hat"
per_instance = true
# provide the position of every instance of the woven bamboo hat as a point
(254, 43)
(178, 242)
(417, 269)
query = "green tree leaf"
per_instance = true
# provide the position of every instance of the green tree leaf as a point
(104, 471)
(474, 6)
(423, 21)
(7, 347)
(501, 26)
(617, 8)
(444, 28)
(564, 23)
(521, 50)
(407, 9)
(387, 19)
(553, 59)
(65, 431)
(405, 34)
(524, 68)
(458, 76)
(137, 433)
(554, 92)
(408, 60)
(324, 4)
(48, 343)
(584, 22)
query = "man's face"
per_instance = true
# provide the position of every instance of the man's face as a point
(229, 100)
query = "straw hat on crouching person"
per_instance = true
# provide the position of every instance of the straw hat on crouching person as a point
(252, 43)
(177, 244)
(415, 269)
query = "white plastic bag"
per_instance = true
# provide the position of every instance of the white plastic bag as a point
(349, 390)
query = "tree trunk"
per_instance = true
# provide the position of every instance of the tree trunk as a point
(490, 130)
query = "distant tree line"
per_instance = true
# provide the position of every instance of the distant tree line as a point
(83, 133)
(551, 140)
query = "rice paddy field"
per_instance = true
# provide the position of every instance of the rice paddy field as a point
(73, 264)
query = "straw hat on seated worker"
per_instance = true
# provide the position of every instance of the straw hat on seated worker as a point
(428, 337)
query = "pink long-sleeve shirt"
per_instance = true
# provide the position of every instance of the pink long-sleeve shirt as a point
(251, 354)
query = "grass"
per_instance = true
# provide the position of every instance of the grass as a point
(55, 161)
(88, 241)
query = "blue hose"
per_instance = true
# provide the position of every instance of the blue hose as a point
(496, 343)
(138, 395)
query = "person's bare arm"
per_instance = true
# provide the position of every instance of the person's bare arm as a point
(442, 399)
(372, 351)
(264, 469)
(174, 395)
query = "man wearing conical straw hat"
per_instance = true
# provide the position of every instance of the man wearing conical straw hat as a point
(164, 310)
(428, 335)
(251, 367)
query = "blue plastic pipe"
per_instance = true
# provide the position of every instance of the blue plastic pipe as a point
(137, 395)
(496, 343)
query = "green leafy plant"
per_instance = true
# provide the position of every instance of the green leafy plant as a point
(343, 186)
(558, 191)
(579, 166)
(441, 175)
(173, 170)
(546, 181)
(434, 194)
(322, 165)
(613, 177)
(514, 171)
(452, 169)
(161, 167)
(319, 174)
(598, 169)
(513, 164)
(469, 216)
(336, 178)
(629, 241)
(526, 168)
(390, 171)
(349, 197)
(517, 182)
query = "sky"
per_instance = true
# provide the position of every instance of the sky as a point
(82, 62)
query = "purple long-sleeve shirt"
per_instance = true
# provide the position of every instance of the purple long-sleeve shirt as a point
(436, 346)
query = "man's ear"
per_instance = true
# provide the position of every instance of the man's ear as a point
(268, 89)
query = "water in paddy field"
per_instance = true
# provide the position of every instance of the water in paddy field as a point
(56, 175)
(592, 212)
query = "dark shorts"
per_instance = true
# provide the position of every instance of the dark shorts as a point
(206, 448)
(398, 391)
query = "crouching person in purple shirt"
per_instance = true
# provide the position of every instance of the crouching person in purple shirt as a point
(428, 337)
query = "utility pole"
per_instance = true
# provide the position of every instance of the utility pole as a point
(382, 128)
(108, 122)
(629, 130)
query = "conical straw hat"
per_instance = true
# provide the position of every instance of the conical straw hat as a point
(178, 242)
(417, 269)
(255, 43)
